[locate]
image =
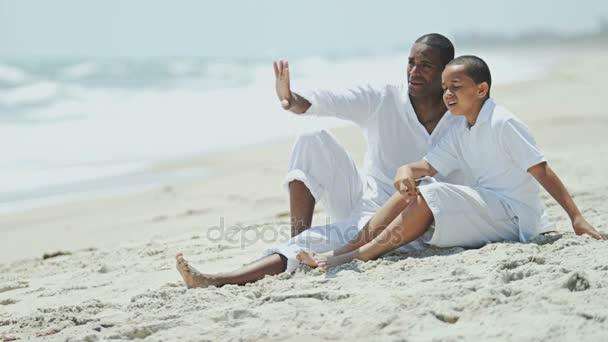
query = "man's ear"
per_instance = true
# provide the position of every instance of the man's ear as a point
(482, 89)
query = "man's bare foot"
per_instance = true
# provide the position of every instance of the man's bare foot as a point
(192, 277)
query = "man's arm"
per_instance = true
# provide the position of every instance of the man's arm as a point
(289, 100)
(358, 104)
(405, 179)
(554, 186)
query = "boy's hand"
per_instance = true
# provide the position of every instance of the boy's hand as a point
(581, 226)
(281, 74)
(405, 182)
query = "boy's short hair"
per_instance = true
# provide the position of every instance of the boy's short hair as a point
(476, 68)
(441, 43)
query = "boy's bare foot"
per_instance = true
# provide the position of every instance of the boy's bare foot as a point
(325, 262)
(307, 258)
(192, 277)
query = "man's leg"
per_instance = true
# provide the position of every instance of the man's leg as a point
(321, 171)
(301, 206)
(270, 265)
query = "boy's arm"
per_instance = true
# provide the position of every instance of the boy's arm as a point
(405, 179)
(554, 186)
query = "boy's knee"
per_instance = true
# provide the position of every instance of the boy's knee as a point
(420, 203)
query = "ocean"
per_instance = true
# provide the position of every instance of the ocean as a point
(90, 127)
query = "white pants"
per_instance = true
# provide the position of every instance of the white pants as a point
(329, 172)
(467, 216)
(349, 198)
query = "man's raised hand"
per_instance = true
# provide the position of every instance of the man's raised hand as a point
(281, 74)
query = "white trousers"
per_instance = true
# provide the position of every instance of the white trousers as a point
(467, 216)
(336, 183)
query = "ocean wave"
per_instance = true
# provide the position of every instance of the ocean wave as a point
(30, 94)
(127, 74)
(12, 75)
(80, 71)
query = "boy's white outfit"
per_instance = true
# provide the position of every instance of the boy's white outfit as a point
(501, 200)
(351, 196)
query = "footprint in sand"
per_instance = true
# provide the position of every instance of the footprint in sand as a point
(14, 286)
(577, 281)
(8, 301)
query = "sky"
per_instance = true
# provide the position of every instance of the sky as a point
(241, 28)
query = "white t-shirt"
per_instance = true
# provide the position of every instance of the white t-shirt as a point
(495, 154)
(394, 135)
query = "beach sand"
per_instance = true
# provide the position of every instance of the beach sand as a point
(118, 278)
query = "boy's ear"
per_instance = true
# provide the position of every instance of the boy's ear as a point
(482, 89)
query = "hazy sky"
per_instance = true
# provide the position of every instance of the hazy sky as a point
(141, 28)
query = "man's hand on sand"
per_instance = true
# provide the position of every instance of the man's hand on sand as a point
(581, 226)
(281, 74)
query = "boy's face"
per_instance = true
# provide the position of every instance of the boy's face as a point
(461, 94)
(424, 70)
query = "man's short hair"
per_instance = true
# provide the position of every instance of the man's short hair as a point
(441, 43)
(476, 68)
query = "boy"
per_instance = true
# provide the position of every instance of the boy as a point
(500, 201)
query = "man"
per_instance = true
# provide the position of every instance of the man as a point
(401, 124)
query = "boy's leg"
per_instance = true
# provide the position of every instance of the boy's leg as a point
(270, 265)
(321, 171)
(380, 221)
(407, 227)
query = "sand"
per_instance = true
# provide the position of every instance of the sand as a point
(118, 278)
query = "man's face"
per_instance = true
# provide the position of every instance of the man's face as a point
(424, 71)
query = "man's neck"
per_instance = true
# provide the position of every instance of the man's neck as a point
(429, 110)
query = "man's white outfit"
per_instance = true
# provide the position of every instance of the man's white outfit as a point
(349, 195)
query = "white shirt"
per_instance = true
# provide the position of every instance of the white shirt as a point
(394, 135)
(495, 154)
